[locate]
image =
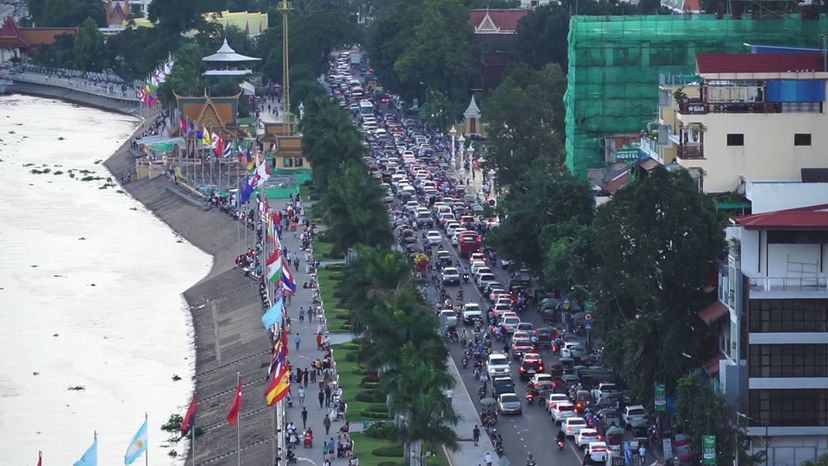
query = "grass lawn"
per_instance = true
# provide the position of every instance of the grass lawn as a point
(366, 445)
(322, 249)
(328, 282)
(305, 191)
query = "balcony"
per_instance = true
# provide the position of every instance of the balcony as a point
(704, 108)
(803, 286)
(690, 151)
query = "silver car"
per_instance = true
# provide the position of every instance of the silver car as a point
(509, 403)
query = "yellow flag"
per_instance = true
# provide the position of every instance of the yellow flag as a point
(206, 138)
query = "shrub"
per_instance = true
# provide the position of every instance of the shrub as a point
(366, 413)
(351, 357)
(370, 378)
(369, 385)
(390, 463)
(335, 266)
(370, 396)
(382, 430)
(394, 451)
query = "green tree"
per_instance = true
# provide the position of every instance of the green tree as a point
(525, 118)
(655, 243)
(569, 259)
(388, 36)
(36, 9)
(821, 461)
(329, 139)
(700, 411)
(438, 111)
(538, 201)
(186, 74)
(88, 47)
(175, 17)
(440, 55)
(542, 36)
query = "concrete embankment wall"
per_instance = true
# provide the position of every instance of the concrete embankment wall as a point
(69, 95)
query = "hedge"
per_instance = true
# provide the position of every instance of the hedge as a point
(395, 451)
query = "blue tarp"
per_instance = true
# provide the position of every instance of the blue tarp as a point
(795, 90)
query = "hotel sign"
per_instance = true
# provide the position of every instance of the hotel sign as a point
(627, 154)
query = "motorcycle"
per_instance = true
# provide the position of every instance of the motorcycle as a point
(465, 277)
(499, 447)
(465, 362)
(561, 444)
(530, 398)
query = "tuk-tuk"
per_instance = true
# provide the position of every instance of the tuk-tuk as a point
(615, 436)
(545, 335)
(488, 414)
(582, 400)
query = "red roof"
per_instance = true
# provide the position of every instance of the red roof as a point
(804, 218)
(10, 35)
(713, 312)
(506, 20)
(758, 63)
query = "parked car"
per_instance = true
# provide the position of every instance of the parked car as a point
(633, 414)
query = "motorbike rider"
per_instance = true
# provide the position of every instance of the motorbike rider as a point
(530, 461)
(561, 436)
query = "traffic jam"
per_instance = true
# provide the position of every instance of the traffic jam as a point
(523, 352)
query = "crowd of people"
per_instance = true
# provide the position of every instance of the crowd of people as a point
(105, 82)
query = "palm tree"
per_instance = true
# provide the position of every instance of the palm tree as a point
(374, 276)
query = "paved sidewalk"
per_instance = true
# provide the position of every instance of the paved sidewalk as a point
(303, 357)
(468, 454)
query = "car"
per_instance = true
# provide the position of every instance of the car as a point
(502, 384)
(633, 414)
(433, 237)
(596, 453)
(443, 257)
(520, 346)
(509, 403)
(510, 323)
(497, 364)
(450, 276)
(474, 265)
(573, 349)
(554, 398)
(471, 311)
(538, 377)
(484, 280)
(572, 425)
(527, 327)
(451, 228)
(494, 290)
(562, 411)
(609, 417)
(584, 436)
(530, 367)
(424, 219)
(501, 308)
(478, 256)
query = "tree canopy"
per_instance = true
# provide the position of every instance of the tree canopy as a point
(88, 48)
(65, 13)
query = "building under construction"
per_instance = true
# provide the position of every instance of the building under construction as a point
(615, 61)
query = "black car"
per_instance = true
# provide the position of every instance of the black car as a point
(502, 385)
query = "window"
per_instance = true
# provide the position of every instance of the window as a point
(788, 315)
(298, 162)
(735, 139)
(788, 407)
(788, 361)
(802, 139)
(287, 162)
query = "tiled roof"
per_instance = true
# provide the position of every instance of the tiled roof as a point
(10, 35)
(505, 20)
(804, 218)
(758, 63)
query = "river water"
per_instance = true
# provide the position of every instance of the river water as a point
(90, 294)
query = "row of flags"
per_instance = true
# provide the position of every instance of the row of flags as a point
(220, 147)
(149, 88)
(136, 448)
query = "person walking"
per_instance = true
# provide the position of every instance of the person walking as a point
(304, 418)
(301, 315)
(324, 450)
(327, 395)
(301, 395)
(331, 449)
(297, 339)
(321, 398)
(327, 423)
(305, 377)
(476, 435)
(487, 459)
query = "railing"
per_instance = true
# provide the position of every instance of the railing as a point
(108, 90)
(703, 108)
(810, 283)
(690, 151)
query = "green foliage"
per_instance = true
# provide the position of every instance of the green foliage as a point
(57, 55)
(542, 36)
(173, 424)
(185, 77)
(175, 17)
(88, 47)
(525, 117)
(569, 258)
(65, 13)
(394, 452)
(700, 411)
(538, 201)
(655, 242)
(139, 50)
(438, 111)
(821, 461)
(389, 35)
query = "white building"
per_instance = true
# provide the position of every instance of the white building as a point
(757, 117)
(774, 292)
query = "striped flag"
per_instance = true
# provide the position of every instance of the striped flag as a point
(273, 266)
(278, 387)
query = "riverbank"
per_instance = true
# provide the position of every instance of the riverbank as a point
(226, 312)
(89, 100)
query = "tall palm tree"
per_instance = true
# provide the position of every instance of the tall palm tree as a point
(373, 277)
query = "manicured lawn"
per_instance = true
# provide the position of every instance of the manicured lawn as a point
(322, 249)
(328, 282)
(366, 445)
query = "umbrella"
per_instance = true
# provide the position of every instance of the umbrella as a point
(477, 208)
(488, 401)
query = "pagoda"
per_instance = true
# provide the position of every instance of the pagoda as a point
(226, 63)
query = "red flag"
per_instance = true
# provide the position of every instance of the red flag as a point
(39, 459)
(189, 419)
(284, 340)
(233, 414)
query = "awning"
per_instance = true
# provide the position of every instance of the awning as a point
(713, 312)
(248, 88)
(158, 139)
(711, 366)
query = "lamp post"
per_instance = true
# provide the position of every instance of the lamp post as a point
(458, 161)
(301, 110)
(453, 133)
(763, 424)
(470, 153)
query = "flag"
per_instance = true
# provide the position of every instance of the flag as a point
(287, 278)
(279, 356)
(261, 175)
(189, 419)
(218, 145)
(273, 266)
(215, 140)
(190, 128)
(273, 315)
(284, 340)
(235, 407)
(182, 123)
(39, 458)
(240, 151)
(279, 386)
(90, 458)
(138, 446)
(245, 190)
(205, 139)
(228, 150)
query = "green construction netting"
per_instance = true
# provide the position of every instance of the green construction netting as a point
(615, 61)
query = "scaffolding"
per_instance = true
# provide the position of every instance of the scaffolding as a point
(615, 61)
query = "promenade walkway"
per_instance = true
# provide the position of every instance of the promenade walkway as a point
(100, 89)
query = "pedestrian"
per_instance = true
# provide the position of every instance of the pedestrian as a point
(297, 339)
(642, 453)
(487, 460)
(324, 450)
(321, 398)
(476, 434)
(301, 314)
(318, 340)
(327, 395)
(331, 448)
(312, 376)
(296, 262)
(327, 423)
(310, 314)
(305, 377)
(301, 396)
(304, 417)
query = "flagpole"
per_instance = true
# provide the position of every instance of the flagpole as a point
(238, 425)
(192, 447)
(146, 452)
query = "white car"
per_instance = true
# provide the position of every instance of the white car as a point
(572, 349)
(633, 413)
(562, 411)
(450, 275)
(470, 312)
(585, 436)
(497, 364)
(554, 399)
(572, 425)
(451, 228)
(434, 238)
(596, 452)
(510, 323)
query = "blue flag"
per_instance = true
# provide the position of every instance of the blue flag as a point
(273, 315)
(138, 445)
(90, 458)
(245, 190)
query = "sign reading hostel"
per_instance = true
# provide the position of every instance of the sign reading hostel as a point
(709, 449)
(628, 154)
(660, 398)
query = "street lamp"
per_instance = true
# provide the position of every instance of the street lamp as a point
(763, 424)
(453, 133)
(301, 110)
(462, 142)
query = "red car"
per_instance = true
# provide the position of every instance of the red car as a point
(469, 244)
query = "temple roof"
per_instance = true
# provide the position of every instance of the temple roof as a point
(472, 111)
(227, 54)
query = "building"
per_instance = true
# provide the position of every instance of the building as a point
(252, 23)
(226, 63)
(18, 42)
(756, 117)
(682, 7)
(495, 31)
(773, 293)
(615, 63)
(117, 13)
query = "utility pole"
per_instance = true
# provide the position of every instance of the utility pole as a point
(284, 8)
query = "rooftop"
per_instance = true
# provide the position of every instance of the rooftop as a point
(496, 21)
(227, 54)
(758, 63)
(804, 218)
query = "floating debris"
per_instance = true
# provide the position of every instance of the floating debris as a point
(176, 377)
(77, 388)
(82, 238)
(34, 266)
(35, 373)
(58, 173)
(60, 138)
